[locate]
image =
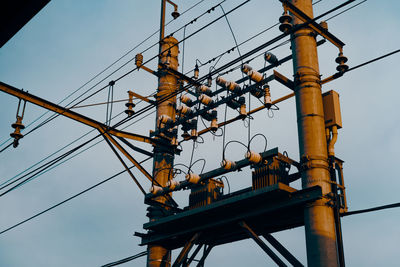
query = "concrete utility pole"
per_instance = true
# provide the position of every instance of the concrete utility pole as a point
(159, 256)
(318, 217)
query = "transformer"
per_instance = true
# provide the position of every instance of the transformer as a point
(270, 173)
(205, 193)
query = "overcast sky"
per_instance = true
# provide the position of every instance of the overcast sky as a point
(69, 42)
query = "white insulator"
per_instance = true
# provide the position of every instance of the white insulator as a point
(255, 76)
(193, 133)
(154, 189)
(214, 125)
(172, 184)
(184, 110)
(232, 86)
(206, 100)
(253, 157)
(192, 178)
(242, 110)
(165, 119)
(187, 100)
(220, 81)
(267, 97)
(246, 68)
(228, 165)
(204, 89)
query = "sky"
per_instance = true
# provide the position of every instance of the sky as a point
(69, 42)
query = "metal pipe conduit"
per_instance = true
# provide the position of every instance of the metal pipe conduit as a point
(213, 173)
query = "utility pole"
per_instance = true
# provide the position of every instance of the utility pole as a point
(159, 256)
(318, 216)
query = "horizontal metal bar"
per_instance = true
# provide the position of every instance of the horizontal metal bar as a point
(70, 114)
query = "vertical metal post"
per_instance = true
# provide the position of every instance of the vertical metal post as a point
(159, 256)
(318, 216)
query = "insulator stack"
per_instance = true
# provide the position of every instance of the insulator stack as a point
(221, 81)
(187, 100)
(243, 111)
(139, 60)
(214, 125)
(253, 157)
(18, 126)
(193, 130)
(233, 87)
(165, 119)
(192, 178)
(228, 165)
(184, 111)
(255, 76)
(172, 184)
(341, 60)
(174, 133)
(130, 105)
(267, 97)
(246, 68)
(206, 100)
(154, 189)
(209, 81)
(203, 89)
(286, 22)
(196, 72)
(270, 58)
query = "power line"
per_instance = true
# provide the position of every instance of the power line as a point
(70, 198)
(373, 60)
(115, 263)
(390, 206)
(344, 11)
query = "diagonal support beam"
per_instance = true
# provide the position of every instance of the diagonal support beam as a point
(185, 250)
(69, 113)
(284, 252)
(123, 151)
(195, 252)
(123, 163)
(205, 254)
(264, 246)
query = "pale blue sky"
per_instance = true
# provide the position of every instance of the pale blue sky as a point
(69, 42)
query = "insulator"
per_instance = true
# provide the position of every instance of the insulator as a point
(255, 76)
(130, 105)
(175, 14)
(196, 72)
(214, 125)
(233, 87)
(253, 157)
(184, 110)
(204, 89)
(187, 100)
(246, 68)
(242, 110)
(270, 58)
(18, 123)
(192, 178)
(194, 134)
(341, 60)
(154, 189)
(285, 21)
(139, 60)
(257, 92)
(206, 100)
(220, 81)
(324, 24)
(228, 165)
(165, 119)
(172, 184)
(267, 97)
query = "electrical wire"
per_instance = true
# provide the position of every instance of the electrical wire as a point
(70, 198)
(390, 206)
(344, 11)
(115, 263)
(373, 60)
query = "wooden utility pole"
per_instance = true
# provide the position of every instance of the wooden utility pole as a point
(318, 216)
(159, 256)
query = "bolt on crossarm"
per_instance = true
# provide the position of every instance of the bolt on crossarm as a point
(163, 159)
(318, 216)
